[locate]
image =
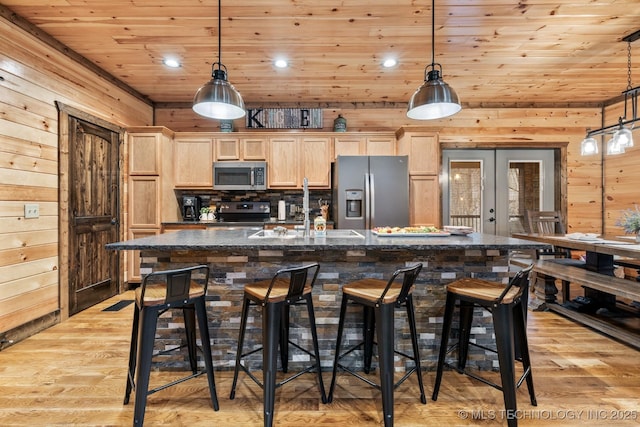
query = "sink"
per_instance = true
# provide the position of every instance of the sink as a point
(271, 234)
(342, 234)
(293, 234)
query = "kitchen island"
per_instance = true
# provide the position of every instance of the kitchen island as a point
(237, 257)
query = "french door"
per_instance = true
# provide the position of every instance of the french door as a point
(490, 190)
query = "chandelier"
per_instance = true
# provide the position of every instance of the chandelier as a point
(622, 136)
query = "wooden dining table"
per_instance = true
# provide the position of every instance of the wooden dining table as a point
(600, 306)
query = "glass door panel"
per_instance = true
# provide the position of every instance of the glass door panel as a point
(490, 190)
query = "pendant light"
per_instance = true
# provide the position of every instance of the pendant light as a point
(623, 131)
(434, 99)
(218, 99)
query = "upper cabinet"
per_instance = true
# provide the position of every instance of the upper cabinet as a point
(423, 151)
(292, 158)
(236, 147)
(144, 153)
(193, 160)
(361, 144)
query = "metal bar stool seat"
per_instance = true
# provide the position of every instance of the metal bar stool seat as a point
(508, 305)
(379, 299)
(161, 291)
(289, 286)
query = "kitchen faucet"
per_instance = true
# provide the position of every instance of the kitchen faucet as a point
(305, 207)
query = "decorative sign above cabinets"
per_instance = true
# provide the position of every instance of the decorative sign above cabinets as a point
(284, 118)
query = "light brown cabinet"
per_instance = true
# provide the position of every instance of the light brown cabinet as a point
(291, 159)
(241, 148)
(193, 161)
(424, 200)
(149, 193)
(424, 167)
(359, 144)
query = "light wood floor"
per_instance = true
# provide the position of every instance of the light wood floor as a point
(74, 374)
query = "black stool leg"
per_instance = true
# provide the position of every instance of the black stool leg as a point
(149, 317)
(243, 327)
(520, 327)
(343, 311)
(284, 339)
(188, 312)
(414, 341)
(385, 335)
(368, 326)
(133, 355)
(316, 351)
(503, 327)
(203, 325)
(466, 318)
(444, 341)
(271, 317)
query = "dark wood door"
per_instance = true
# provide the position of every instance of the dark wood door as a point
(93, 213)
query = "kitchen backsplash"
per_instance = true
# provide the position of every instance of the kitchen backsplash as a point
(213, 198)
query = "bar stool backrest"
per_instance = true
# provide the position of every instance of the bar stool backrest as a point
(408, 281)
(517, 286)
(173, 286)
(298, 280)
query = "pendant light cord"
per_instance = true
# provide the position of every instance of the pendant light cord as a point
(219, 33)
(433, 33)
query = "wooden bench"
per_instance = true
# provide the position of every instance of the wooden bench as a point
(590, 279)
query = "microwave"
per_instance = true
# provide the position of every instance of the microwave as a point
(239, 175)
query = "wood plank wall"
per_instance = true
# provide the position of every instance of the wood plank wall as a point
(475, 128)
(33, 76)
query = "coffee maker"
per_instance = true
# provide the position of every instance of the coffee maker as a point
(190, 208)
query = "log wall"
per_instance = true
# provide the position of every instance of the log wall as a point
(33, 77)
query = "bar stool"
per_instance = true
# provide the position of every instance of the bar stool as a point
(508, 305)
(289, 286)
(379, 300)
(161, 291)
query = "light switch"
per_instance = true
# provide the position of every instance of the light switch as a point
(31, 210)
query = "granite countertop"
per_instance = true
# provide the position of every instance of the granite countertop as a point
(219, 238)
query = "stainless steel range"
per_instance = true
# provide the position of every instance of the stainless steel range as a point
(243, 214)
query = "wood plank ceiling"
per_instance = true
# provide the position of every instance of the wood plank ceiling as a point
(493, 52)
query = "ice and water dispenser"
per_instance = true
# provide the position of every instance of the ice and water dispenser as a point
(354, 203)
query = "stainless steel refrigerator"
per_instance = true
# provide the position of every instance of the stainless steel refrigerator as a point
(371, 191)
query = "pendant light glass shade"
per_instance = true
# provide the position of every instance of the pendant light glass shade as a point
(218, 99)
(434, 99)
(589, 146)
(623, 137)
(613, 147)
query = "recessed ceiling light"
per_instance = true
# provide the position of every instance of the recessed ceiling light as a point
(171, 62)
(281, 63)
(390, 62)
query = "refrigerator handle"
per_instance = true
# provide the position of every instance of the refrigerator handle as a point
(372, 200)
(367, 202)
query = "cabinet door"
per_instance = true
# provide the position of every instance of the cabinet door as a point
(381, 146)
(144, 153)
(144, 202)
(133, 257)
(316, 161)
(193, 162)
(227, 149)
(423, 151)
(283, 165)
(348, 145)
(254, 148)
(424, 200)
